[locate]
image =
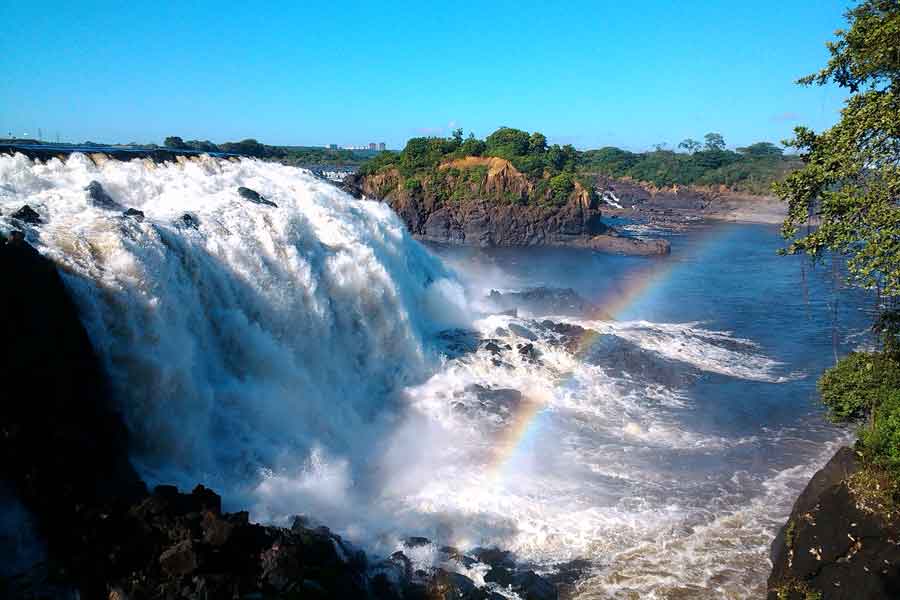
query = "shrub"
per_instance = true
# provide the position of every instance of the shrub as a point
(880, 441)
(561, 187)
(858, 384)
(412, 184)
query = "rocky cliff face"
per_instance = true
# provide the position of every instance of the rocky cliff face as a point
(484, 207)
(486, 201)
(834, 545)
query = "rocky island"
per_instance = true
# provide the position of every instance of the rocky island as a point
(511, 189)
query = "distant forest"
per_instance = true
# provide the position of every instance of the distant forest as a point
(294, 155)
(750, 169)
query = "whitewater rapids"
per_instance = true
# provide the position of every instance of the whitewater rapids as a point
(312, 358)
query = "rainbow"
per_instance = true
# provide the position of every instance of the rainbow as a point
(626, 299)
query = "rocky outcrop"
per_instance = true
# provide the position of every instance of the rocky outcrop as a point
(617, 244)
(673, 207)
(834, 546)
(486, 201)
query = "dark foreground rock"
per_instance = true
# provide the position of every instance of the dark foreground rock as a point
(832, 547)
(63, 448)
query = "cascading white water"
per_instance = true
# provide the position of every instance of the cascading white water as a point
(255, 342)
(290, 358)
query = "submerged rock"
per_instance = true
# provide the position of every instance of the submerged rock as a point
(254, 196)
(137, 215)
(99, 198)
(26, 214)
(189, 220)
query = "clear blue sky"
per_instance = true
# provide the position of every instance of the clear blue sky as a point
(589, 73)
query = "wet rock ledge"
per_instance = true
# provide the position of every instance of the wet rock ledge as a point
(103, 534)
(835, 546)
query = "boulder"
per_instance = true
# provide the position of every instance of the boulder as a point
(98, 197)
(178, 560)
(135, 214)
(188, 220)
(254, 197)
(832, 545)
(26, 214)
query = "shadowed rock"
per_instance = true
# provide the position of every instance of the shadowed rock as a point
(832, 545)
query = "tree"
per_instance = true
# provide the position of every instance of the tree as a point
(173, 141)
(690, 145)
(850, 179)
(472, 146)
(508, 143)
(458, 136)
(761, 149)
(714, 142)
(537, 143)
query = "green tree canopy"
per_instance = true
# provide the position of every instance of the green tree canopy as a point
(714, 142)
(761, 150)
(850, 179)
(173, 141)
(690, 145)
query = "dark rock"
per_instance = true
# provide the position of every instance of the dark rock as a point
(216, 531)
(26, 214)
(189, 220)
(522, 332)
(416, 542)
(99, 198)
(253, 196)
(453, 586)
(180, 559)
(492, 347)
(135, 214)
(499, 575)
(529, 351)
(531, 586)
(494, 557)
(64, 449)
(626, 245)
(832, 545)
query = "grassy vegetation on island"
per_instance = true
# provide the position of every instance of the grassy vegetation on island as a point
(433, 161)
(752, 169)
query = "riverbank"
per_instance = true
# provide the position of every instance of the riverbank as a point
(674, 208)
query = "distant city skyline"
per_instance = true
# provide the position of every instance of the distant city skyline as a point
(596, 74)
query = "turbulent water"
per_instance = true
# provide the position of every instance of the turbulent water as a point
(657, 420)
